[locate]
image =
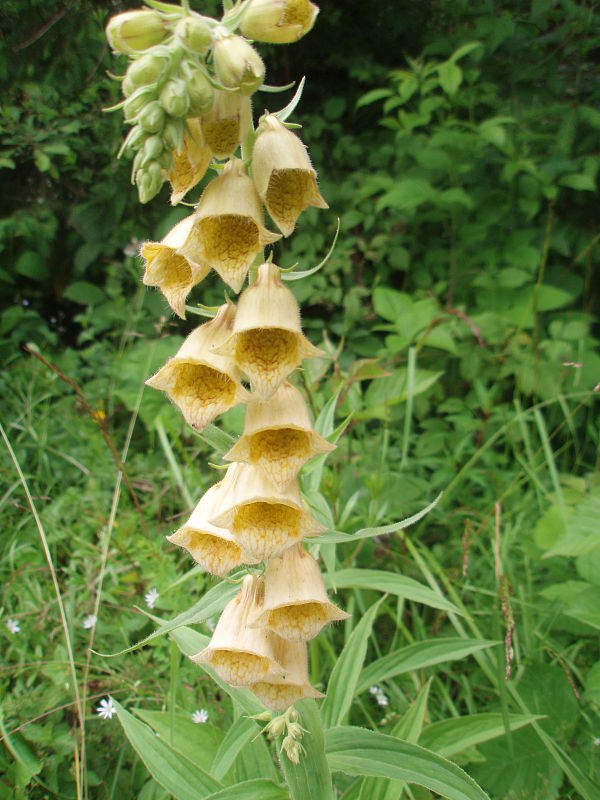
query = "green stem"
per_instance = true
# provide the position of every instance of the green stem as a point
(177, 474)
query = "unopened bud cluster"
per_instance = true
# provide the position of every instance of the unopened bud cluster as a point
(189, 80)
(247, 352)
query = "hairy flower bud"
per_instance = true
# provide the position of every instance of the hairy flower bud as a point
(137, 102)
(194, 34)
(149, 180)
(296, 606)
(144, 71)
(278, 21)
(201, 383)
(173, 134)
(267, 342)
(237, 64)
(213, 548)
(190, 162)
(200, 92)
(174, 98)
(262, 518)
(227, 123)
(135, 31)
(152, 118)
(170, 272)
(238, 654)
(279, 692)
(278, 436)
(152, 149)
(283, 175)
(228, 231)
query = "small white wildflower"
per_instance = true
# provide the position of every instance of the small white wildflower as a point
(151, 597)
(200, 716)
(374, 690)
(13, 626)
(381, 698)
(106, 709)
(89, 621)
(597, 741)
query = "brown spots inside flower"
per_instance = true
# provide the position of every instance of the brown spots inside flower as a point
(238, 668)
(266, 529)
(280, 452)
(222, 135)
(201, 392)
(289, 192)
(172, 274)
(278, 697)
(267, 356)
(298, 623)
(229, 243)
(215, 555)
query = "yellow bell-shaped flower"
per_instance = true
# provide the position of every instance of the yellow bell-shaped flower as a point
(296, 606)
(277, 691)
(227, 123)
(189, 163)
(263, 518)
(201, 383)
(168, 270)
(238, 654)
(283, 175)
(228, 231)
(267, 342)
(278, 436)
(278, 21)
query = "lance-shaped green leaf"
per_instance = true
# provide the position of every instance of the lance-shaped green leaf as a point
(390, 583)
(310, 779)
(252, 790)
(357, 751)
(238, 736)
(346, 672)
(419, 656)
(184, 780)
(450, 736)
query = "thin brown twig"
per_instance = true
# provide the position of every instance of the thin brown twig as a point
(44, 29)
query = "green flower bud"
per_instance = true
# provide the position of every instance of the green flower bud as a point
(152, 118)
(238, 65)
(144, 71)
(136, 138)
(275, 728)
(174, 98)
(278, 21)
(194, 34)
(149, 180)
(138, 100)
(166, 161)
(200, 92)
(173, 134)
(135, 31)
(153, 149)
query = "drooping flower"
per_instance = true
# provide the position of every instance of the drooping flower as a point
(267, 342)
(278, 436)
(190, 162)
(169, 271)
(213, 548)
(201, 383)
(200, 716)
(136, 31)
(237, 64)
(228, 232)
(227, 123)
(278, 21)
(296, 606)
(283, 175)
(106, 709)
(277, 691)
(262, 517)
(238, 654)
(151, 597)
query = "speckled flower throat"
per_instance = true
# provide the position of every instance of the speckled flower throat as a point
(187, 99)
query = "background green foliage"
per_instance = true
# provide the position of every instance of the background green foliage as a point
(458, 143)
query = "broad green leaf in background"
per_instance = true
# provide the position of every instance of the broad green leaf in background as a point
(346, 671)
(357, 751)
(311, 778)
(418, 656)
(450, 736)
(258, 789)
(197, 743)
(184, 781)
(239, 734)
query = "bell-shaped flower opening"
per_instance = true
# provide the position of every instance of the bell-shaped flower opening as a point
(278, 21)
(263, 518)
(169, 271)
(267, 342)
(201, 383)
(213, 548)
(228, 230)
(238, 654)
(237, 64)
(227, 123)
(296, 606)
(278, 692)
(278, 436)
(190, 162)
(283, 175)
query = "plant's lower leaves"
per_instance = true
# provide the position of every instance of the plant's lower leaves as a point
(238, 736)
(254, 760)
(184, 780)
(418, 656)
(198, 743)
(450, 736)
(358, 751)
(390, 583)
(252, 790)
(310, 779)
